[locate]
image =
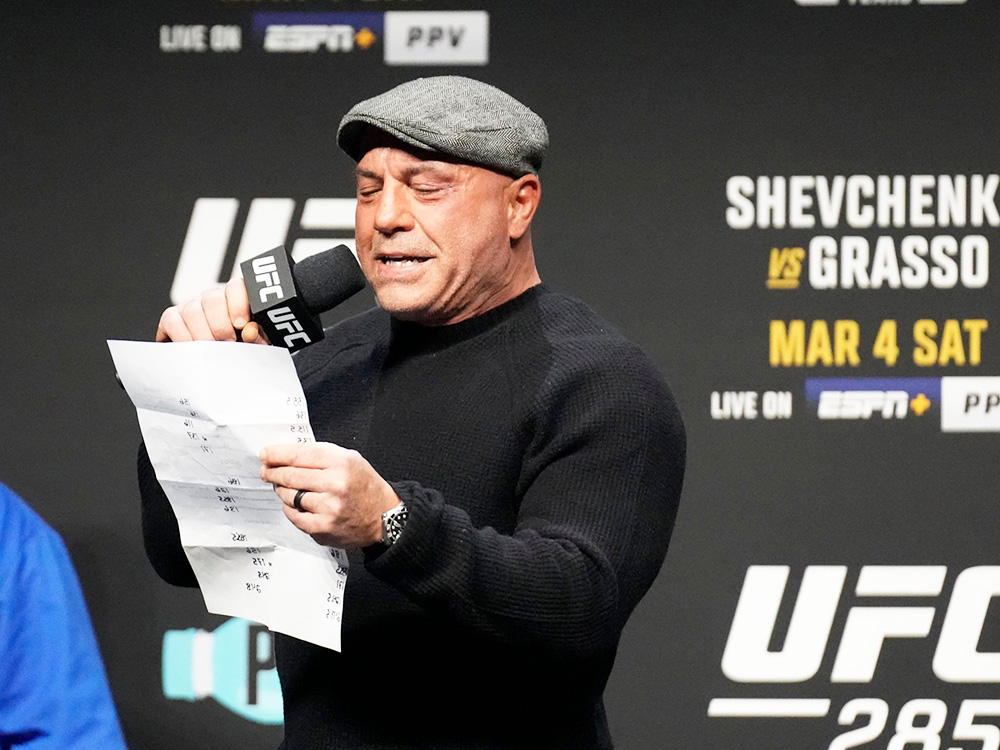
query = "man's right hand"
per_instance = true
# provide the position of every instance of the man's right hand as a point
(221, 313)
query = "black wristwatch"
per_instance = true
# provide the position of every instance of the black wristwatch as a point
(393, 521)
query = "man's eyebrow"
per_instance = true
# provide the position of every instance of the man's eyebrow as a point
(408, 172)
(423, 167)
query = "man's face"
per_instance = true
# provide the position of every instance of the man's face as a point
(433, 236)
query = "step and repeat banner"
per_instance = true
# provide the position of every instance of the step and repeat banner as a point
(790, 204)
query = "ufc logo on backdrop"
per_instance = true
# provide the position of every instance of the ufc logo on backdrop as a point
(869, 624)
(268, 223)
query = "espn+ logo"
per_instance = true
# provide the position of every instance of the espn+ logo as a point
(862, 404)
(213, 248)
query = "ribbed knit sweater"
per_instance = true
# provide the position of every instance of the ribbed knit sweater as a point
(541, 457)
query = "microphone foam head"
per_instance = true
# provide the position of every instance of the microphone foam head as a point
(326, 279)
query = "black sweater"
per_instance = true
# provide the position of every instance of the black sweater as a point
(541, 457)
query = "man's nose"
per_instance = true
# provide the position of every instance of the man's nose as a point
(393, 212)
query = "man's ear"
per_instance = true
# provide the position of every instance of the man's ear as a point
(523, 195)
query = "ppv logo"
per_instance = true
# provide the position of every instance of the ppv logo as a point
(437, 37)
(970, 404)
(267, 224)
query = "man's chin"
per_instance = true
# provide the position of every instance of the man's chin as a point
(408, 307)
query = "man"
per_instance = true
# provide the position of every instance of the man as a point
(53, 692)
(504, 466)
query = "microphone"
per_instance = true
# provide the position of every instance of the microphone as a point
(286, 297)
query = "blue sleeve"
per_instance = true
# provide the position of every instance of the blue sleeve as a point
(53, 690)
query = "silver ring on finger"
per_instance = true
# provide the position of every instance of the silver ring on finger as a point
(297, 502)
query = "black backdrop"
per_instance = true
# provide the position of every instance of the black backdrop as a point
(109, 140)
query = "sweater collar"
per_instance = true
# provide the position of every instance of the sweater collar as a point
(416, 336)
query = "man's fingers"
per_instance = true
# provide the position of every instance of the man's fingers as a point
(303, 455)
(216, 311)
(295, 477)
(319, 529)
(171, 327)
(253, 334)
(287, 496)
(307, 522)
(216, 315)
(239, 313)
(193, 316)
(237, 303)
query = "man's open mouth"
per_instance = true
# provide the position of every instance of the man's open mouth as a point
(400, 260)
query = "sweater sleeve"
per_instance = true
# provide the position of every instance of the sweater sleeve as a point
(600, 484)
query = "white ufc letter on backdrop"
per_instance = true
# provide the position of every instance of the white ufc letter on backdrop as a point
(747, 658)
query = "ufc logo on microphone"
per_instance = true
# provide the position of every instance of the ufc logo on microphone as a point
(285, 320)
(266, 272)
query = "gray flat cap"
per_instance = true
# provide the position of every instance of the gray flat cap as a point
(466, 119)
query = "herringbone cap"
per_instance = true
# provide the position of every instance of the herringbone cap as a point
(464, 118)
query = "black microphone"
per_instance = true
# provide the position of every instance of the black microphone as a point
(286, 297)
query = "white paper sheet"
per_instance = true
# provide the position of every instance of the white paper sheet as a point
(205, 409)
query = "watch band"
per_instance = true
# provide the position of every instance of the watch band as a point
(393, 521)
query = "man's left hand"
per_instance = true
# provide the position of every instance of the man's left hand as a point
(345, 497)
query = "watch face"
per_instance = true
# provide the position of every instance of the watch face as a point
(393, 521)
